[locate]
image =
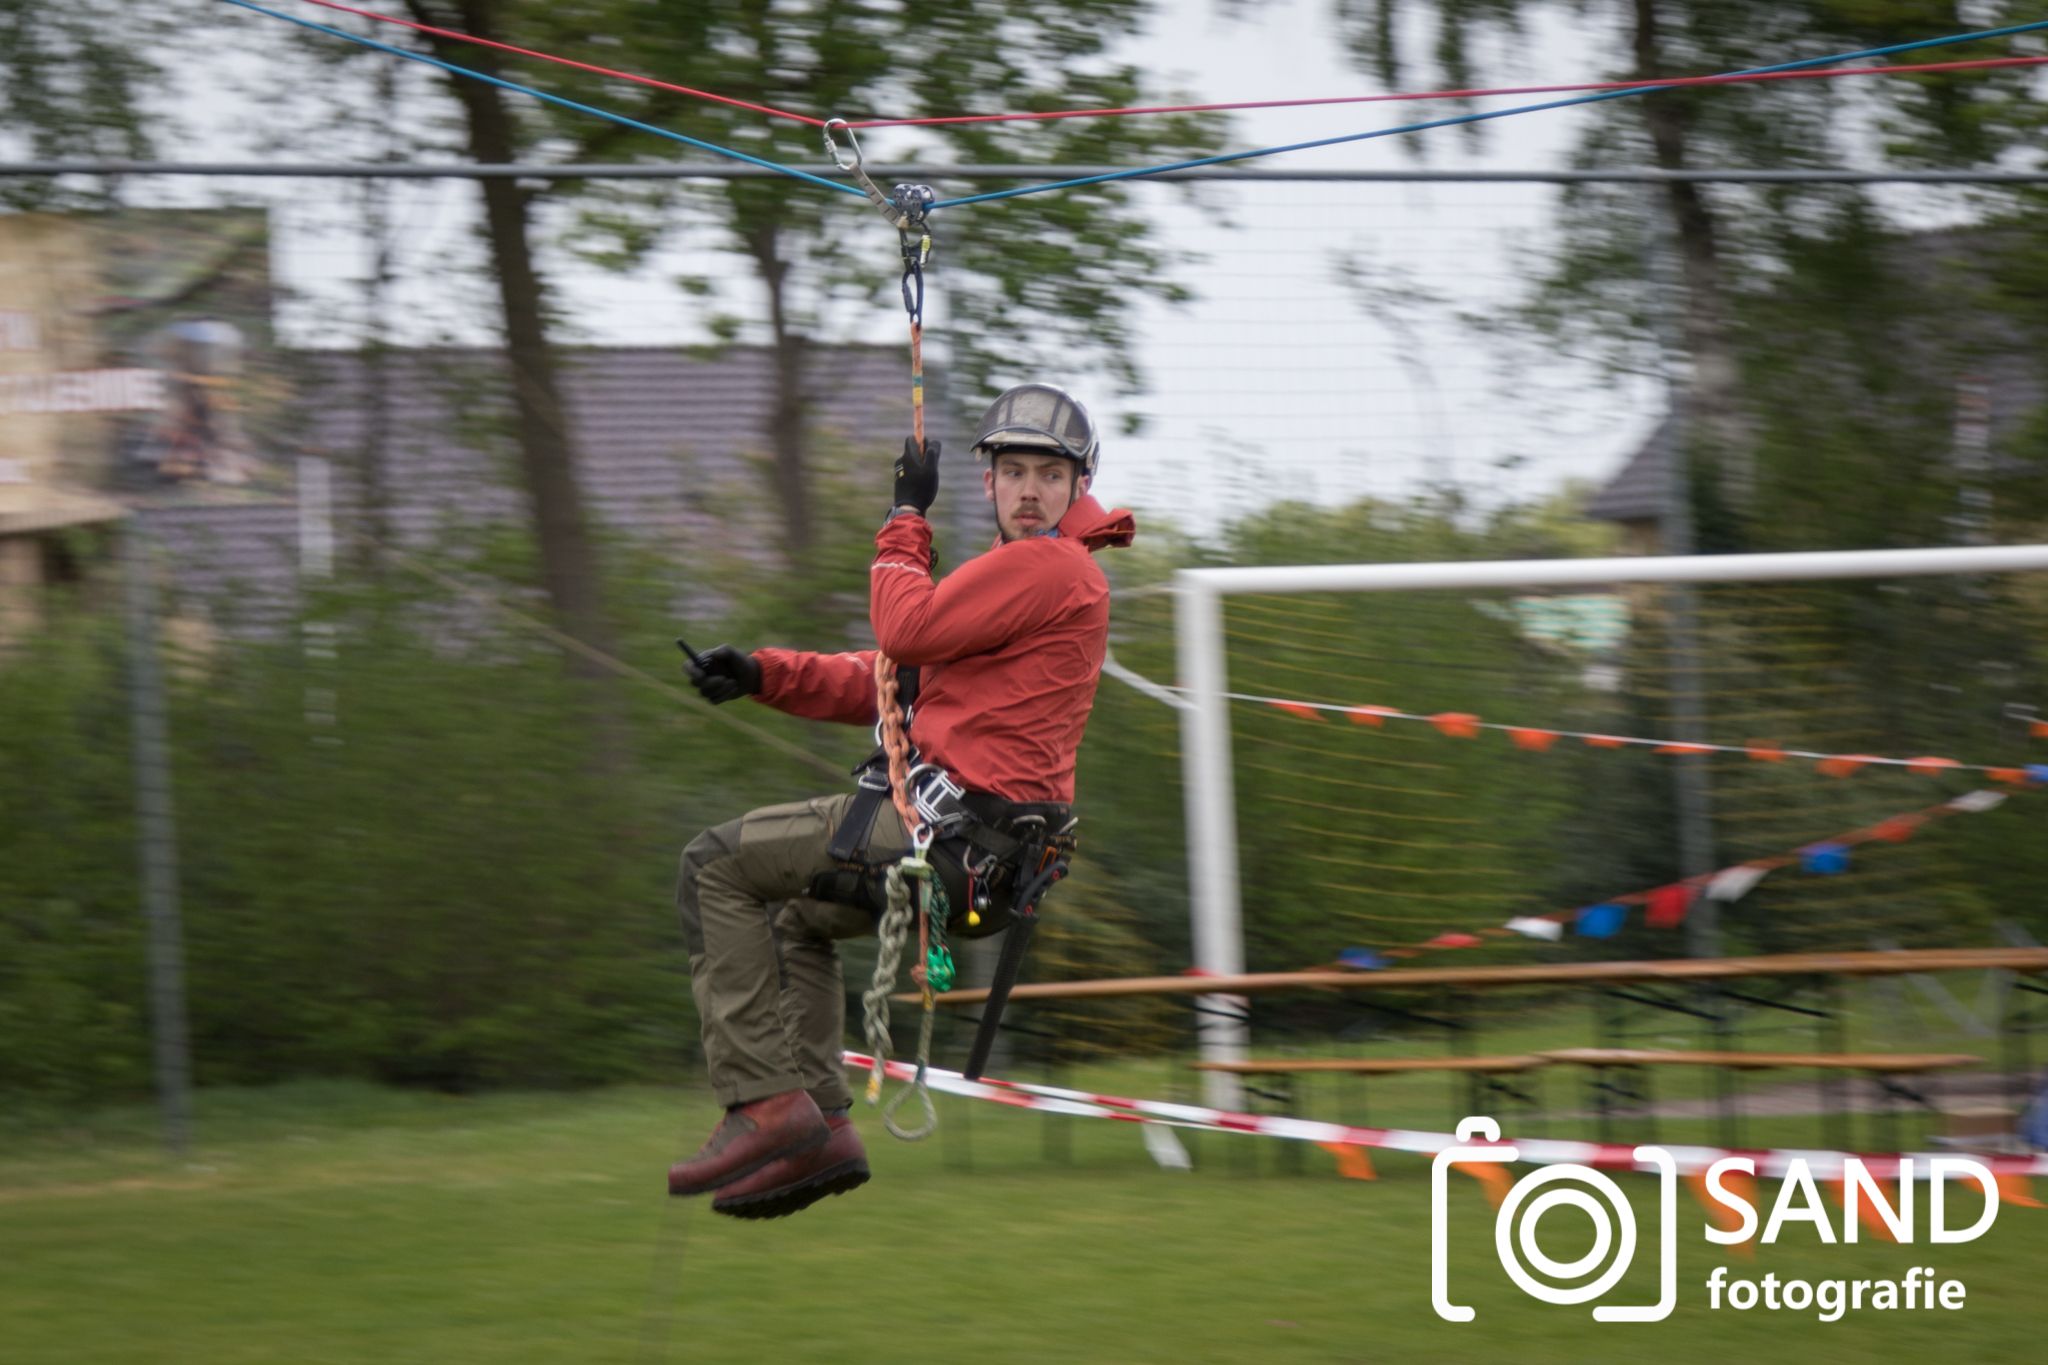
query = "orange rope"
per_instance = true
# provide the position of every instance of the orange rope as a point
(895, 743)
(894, 740)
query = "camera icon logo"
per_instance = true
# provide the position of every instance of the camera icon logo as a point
(1534, 1272)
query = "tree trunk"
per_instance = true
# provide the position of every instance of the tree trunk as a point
(786, 423)
(547, 455)
(1714, 384)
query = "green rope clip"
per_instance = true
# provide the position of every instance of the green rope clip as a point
(938, 959)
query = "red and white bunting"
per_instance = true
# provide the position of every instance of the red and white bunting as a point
(1770, 1162)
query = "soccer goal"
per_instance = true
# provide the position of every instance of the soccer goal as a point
(1385, 764)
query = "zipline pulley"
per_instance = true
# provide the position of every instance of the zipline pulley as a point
(912, 202)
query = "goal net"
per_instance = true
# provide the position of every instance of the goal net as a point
(1466, 763)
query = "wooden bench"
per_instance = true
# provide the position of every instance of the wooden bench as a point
(1483, 1076)
(1883, 1068)
(1375, 1066)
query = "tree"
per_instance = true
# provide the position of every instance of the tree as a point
(75, 82)
(494, 133)
(1601, 287)
(1041, 282)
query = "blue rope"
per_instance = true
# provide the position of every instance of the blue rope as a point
(1474, 118)
(789, 171)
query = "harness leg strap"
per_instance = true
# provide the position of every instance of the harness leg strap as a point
(1008, 965)
(1011, 961)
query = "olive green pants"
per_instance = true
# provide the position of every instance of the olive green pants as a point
(764, 964)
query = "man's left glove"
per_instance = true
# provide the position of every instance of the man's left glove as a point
(724, 674)
(917, 476)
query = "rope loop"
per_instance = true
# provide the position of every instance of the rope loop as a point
(907, 881)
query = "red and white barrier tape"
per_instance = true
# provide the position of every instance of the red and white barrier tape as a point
(1770, 1162)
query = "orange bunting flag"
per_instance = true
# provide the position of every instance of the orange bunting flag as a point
(1453, 940)
(1727, 1219)
(1685, 749)
(2040, 729)
(1374, 716)
(1489, 1174)
(1841, 765)
(1295, 708)
(1931, 764)
(2012, 777)
(1352, 1162)
(1536, 741)
(1896, 830)
(1605, 741)
(2018, 1191)
(1765, 753)
(1456, 724)
(1866, 1209)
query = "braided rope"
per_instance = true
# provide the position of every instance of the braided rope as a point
(895, 927)
(893, 932)
(896, 744)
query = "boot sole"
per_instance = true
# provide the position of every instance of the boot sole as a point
(848, 1175)
(809, 1144)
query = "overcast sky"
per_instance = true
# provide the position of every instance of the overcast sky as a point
(1274, 383)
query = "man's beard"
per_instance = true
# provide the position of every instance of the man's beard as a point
(1046, 524)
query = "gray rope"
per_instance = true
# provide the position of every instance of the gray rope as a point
(893, 931)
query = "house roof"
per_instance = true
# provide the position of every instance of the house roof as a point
(667, 442)
(1637, 492)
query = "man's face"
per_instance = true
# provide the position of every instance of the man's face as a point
(1031, 491)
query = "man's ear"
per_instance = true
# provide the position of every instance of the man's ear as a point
(988, 483)
(1081, 486)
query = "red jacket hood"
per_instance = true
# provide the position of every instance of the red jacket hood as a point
(1097, 527)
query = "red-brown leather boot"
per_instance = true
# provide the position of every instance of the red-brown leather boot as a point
(749, 1137)
(791, 1183)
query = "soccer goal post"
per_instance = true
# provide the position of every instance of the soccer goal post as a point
(1738, 602)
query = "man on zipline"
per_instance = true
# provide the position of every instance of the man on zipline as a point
(1002, 658)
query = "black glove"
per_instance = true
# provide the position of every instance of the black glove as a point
(917, 475)
(722, 674)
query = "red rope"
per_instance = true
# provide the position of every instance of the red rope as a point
(1981, 64)
(1737, 78)
(459, 37)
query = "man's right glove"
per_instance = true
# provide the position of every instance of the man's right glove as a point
(722, 674)
(917, 476)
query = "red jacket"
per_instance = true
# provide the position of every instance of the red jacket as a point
(1008, 647)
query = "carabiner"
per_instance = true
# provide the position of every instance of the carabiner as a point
(832, 148)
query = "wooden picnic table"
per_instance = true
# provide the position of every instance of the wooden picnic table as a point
(1376, 1066)
(1897, 1062)
(1893, 963)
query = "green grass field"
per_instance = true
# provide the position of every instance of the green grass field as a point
(336, 1222)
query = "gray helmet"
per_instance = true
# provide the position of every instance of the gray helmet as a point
(1040, 417)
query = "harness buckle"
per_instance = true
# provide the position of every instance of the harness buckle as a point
(939, 801)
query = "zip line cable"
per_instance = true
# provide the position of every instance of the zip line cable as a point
(1601, 92)
(514, 86)
(1481, 116)
(1663, 83)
